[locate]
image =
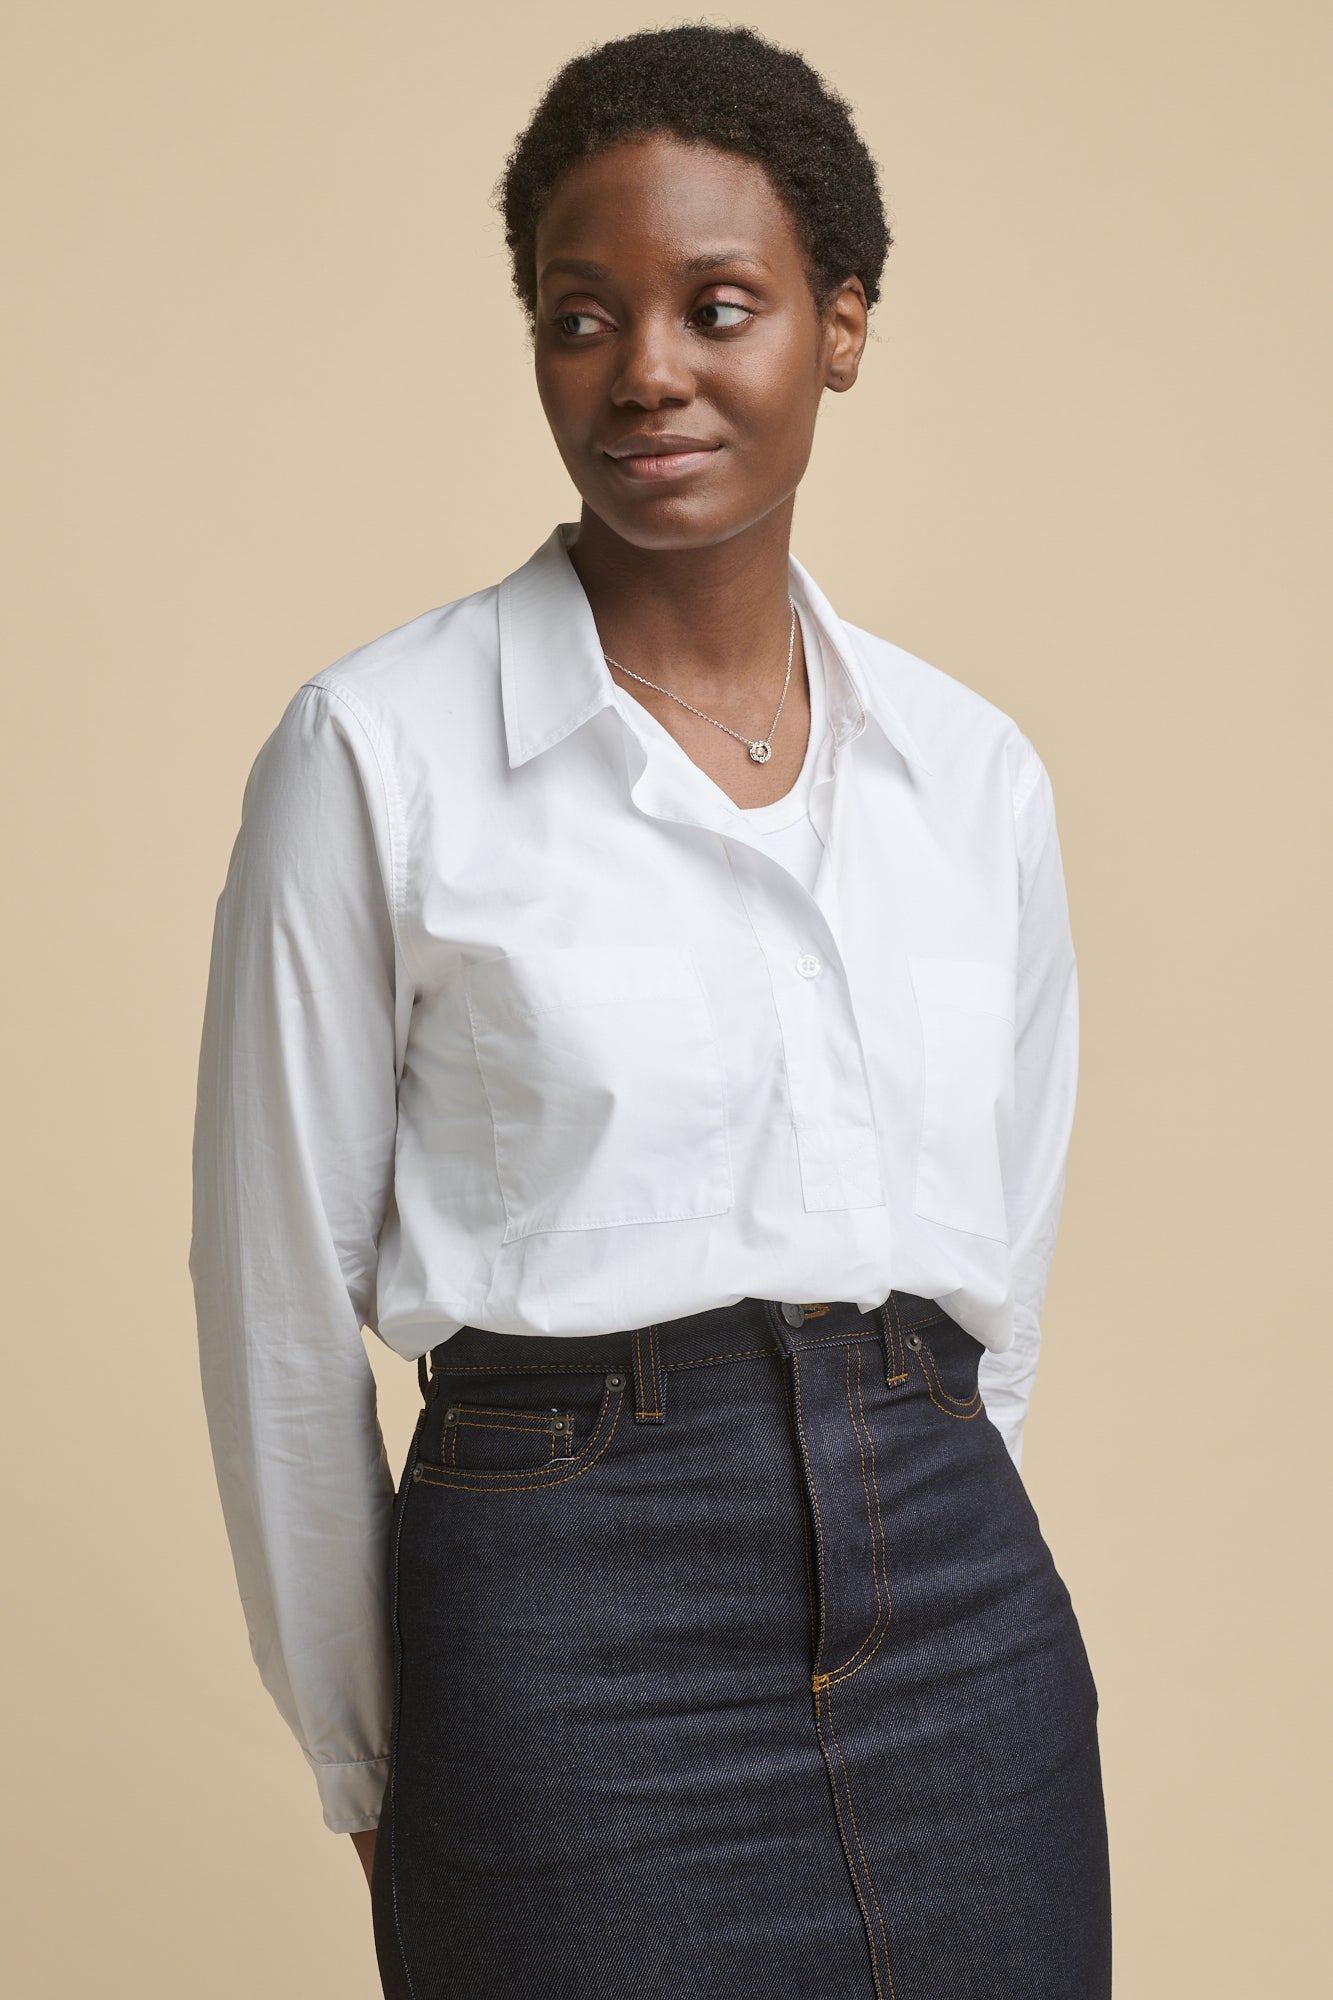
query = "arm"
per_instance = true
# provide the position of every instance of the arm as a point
(1045, 1084)
(292, 1171)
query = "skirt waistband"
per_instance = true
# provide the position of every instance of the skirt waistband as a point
(719, 1333)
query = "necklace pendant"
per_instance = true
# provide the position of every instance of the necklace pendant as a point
(760, 752)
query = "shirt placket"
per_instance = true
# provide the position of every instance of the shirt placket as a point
(827, 1075)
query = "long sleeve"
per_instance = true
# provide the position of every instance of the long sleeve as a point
(292, 1171)
(1045, 1085)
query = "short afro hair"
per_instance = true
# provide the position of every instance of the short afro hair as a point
(725, 87)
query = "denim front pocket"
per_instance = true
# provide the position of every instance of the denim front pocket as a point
(949, 1357)
(493, 1430)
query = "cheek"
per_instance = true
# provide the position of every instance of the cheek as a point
(771, 395)
(774, 417)
(568, 398)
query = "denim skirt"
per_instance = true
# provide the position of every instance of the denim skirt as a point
(731, 1662)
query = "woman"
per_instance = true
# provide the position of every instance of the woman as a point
(651, 998)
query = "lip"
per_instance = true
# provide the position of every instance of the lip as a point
(665, 456)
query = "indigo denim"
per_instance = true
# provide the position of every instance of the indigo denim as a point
(731, 1662)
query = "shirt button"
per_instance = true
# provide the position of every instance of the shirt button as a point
(807, 965)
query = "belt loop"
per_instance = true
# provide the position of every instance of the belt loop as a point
(422, 1376)
(890, 1338)
(781, 1326)
(781, 1331)
(649, 1380)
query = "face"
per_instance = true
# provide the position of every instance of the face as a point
(680, 356)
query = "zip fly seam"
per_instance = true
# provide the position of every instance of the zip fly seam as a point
(814, 1502)
(879, 1566)
(805, 1541)
(874, 1638)
(821, 1684)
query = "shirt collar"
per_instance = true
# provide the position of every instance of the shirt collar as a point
(553, 677)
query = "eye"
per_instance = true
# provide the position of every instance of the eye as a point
(726, 306)
(562, 321)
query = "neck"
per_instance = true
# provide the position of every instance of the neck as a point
(697, 620)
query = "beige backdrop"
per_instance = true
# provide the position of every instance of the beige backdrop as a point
(270, 397)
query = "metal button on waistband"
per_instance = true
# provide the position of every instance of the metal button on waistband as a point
(794, 1315)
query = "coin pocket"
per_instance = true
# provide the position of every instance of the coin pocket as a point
(526, 1424)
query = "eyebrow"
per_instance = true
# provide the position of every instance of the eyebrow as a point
(710, 260)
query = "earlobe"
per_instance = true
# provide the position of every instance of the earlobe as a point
(842, 377)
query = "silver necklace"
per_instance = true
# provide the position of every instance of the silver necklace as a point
(761, 749)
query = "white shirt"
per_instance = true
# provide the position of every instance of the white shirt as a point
(515, 1020)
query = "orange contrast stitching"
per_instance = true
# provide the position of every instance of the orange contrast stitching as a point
(819, 1526)
(879, 1549)
(820, 1684)
(538, 1472)
(881, 1614)
(964, 1407)
(805, 1541)
(884, 1936)
(485, 1424)
(655, 1408)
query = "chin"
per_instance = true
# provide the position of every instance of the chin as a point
(674, 521)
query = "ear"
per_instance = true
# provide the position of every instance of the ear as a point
(846, 324)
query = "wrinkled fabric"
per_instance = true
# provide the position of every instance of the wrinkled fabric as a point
(514, 1021)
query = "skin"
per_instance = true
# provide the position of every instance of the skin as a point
(687, 576)
(364, 1843)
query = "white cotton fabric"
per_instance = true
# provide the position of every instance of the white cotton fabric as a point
(791, 828)
(515, 1020)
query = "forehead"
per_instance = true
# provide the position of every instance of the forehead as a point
(664, 200)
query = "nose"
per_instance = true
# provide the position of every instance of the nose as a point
(653, 367)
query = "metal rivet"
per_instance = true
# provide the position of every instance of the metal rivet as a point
(615, 1381)
(914, 1341)
(416, 1472)
(450, 1414)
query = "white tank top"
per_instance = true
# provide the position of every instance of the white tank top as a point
(792, 828)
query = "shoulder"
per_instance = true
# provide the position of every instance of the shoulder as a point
(390, 680)
(348, 731)
(957, 729)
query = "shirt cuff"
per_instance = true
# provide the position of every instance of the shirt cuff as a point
(351, 1794)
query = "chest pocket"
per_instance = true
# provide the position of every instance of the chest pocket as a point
(966, 1011)
(604, 1075)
